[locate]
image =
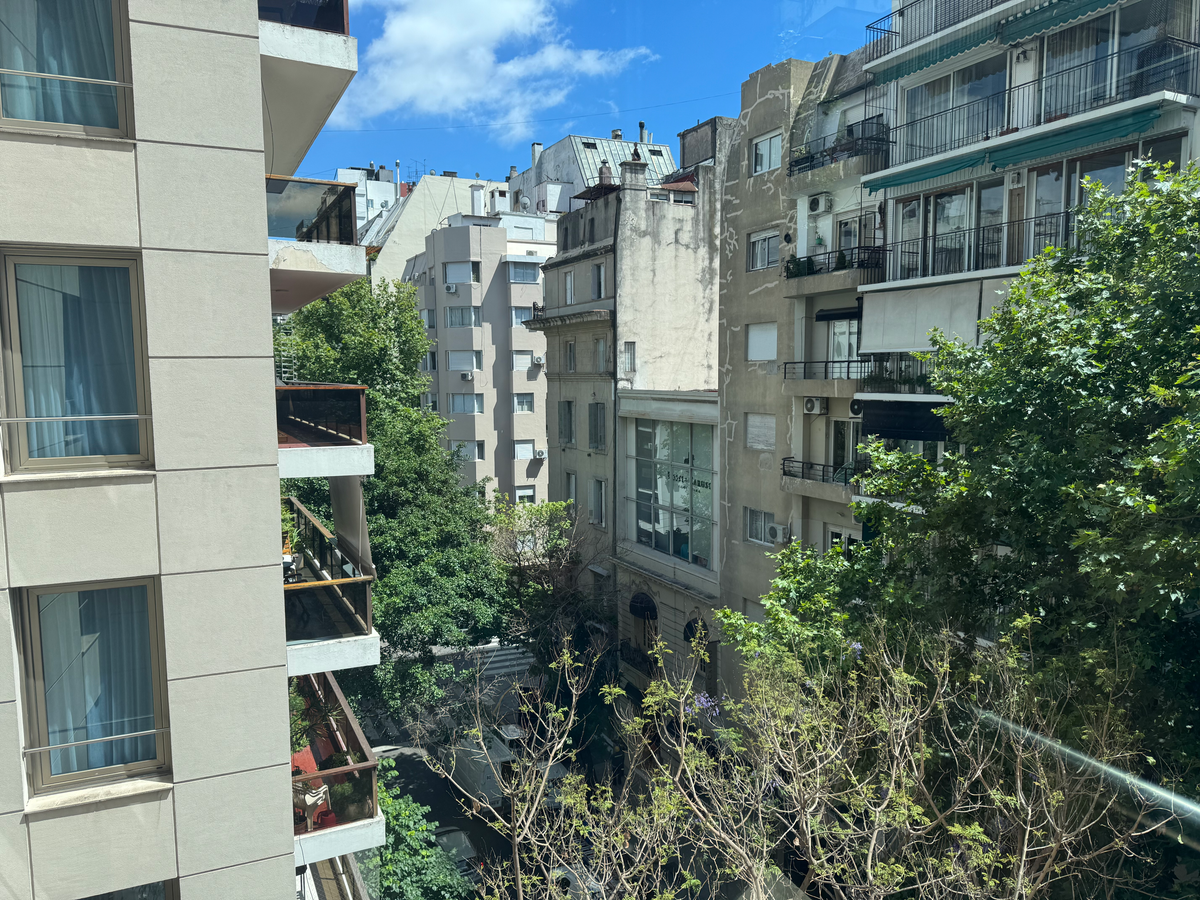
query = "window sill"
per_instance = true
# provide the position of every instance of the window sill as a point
(120, 790)
(72, 135)
(76, 475)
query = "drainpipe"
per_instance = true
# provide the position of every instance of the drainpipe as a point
(616, 401)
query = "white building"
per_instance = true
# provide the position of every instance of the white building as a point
(376, 190)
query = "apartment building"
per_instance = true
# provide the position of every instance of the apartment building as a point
(146, 654)
(478, 282)
(630, 326)
(376, 190)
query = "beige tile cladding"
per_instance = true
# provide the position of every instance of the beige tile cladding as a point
(230, 16)
(14, 851)
(268, 879)
(12, 793)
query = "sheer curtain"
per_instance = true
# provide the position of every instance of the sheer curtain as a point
(73, 38)
(96, 666)
(78, 358)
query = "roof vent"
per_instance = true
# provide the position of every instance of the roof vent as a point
(605, 172)
(617, 136)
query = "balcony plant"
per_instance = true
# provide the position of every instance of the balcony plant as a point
(351, 799)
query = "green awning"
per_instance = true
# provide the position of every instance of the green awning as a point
(1043, 18)
(921, 173)
(1061, 142)
(935, 54)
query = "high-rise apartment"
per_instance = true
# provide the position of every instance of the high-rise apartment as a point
(146, 653)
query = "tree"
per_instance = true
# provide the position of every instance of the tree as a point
(410, 865)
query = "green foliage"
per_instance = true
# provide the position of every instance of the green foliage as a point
(299, 720)
(410, 864)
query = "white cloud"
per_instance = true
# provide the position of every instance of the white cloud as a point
(476, 60)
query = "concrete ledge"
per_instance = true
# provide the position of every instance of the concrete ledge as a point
(304, 271)
(309, 657)
(90, 796)
(326, 462)
(819, 387)
(339, 840)
(835, 493)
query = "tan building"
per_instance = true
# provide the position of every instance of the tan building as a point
(477, 283)
(144, 648)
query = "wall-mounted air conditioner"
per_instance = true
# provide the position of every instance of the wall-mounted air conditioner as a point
(537, 361)
(1016, 179)
(468, 376)
(820, 203)
(452, 289)
(539, 454)
(777, 533)
(856, 407)
(816, 406)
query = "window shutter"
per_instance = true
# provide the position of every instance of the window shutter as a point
(761, 341)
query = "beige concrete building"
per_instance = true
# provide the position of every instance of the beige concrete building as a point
(477, 283)
(144, 646)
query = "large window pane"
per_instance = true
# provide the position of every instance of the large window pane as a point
(53, 37)
(702, 438)
(97, 676)
(157, 891)
(78, 358)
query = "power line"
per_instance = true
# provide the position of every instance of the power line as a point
(611, 112)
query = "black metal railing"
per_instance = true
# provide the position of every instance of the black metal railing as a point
(323, 15)
(896, 373)
(983, 247)
(638, 659)
(824, 472)
(827, 370)
(1168, 65)
(317, 211)
(919, 19)
(539, 311)
(327, 589)
(871, 142)
(867, 261)
(320, 415)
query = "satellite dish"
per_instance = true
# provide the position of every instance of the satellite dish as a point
(524, 203)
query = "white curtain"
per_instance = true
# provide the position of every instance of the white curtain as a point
(73, 38)
(96, 665)
(78, 358)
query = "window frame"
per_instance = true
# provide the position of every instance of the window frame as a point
(567, 435)
(596, 514)
(760, 237)
(531, 493)
(597, 426)
(766, 139)
(16, 452)
(520, 323)
(476, 361)
(476, 316)
(514, 267)
(570, 492)
(598, 281)
(476, 405)
(569, 356)
(517, 368)
(33, 685)
(516, 403)
(523, 442)
(629, 356)
(569, 287)
(763, 514)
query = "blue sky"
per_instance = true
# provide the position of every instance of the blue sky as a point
(466, 85)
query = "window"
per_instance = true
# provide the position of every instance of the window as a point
(477, 447)
(464, 316)
(596, 437)
(569, 356)
(837, 537)
(596, 502)
(660, 195)
(687, 198)
(629, 356)
(522, 449)
(522, 403)
(471, 451)
(763, 251)
(766, 153)
(527, 494)
(569, 287)
(74, 332)
(464, 360)
(522, 359)
(429, 317)
(521, 315)
(523, 272)
(566, 421)
(760, 431)
(844, 437)
(160, 890)
(94, 670)
(429, 362)
(671, 466)
(598, 281)
(761, 341)
(79, 44)
(600, 354)
(429, 401)
(756, 525)
(843, 346)
(569, 490)
(461, 272)
(466, 404)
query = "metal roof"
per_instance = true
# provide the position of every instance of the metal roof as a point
(616, 152)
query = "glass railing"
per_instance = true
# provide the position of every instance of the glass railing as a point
(320, 415)
(326, 590)
(317, 211)
(333, 768)
(322, 15)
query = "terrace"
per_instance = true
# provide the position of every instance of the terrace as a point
(877, 373)
(322, 430)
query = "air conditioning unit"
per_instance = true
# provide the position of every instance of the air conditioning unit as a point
(452, 289)
(1016, 179)
(537, 361)
(468, 376)
(820, 203)
(816, 406)
(777, 533)
(856, 407)
(539, 454)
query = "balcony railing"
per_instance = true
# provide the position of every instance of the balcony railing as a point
(983, 247)
(327, 590)
(320, 415)
(920, 19)
(323, 15)
(1168, 65)
(823, 472)
(638, 659)
(311, 211)
(539, 311)
(333, 768)
(873, 144)
(896, 373)
(827, 370)
(867, 261)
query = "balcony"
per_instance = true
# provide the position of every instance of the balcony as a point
(877, 373)
(871, 144)
(322, 430)
(312, 240)
(308, 60)
(334, 789)
(823, 472)
(978, 249)
(638, 659)
(326, 597)
(1169, 65)
(826, 370)
(854, 265)
(920, 19)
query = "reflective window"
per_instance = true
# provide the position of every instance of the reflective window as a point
(672, 472)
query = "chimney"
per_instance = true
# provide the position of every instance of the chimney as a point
(512, 173)
(396, 173)
(605, 172)
(633, 173)
(372, 165)
(446, 173)
(617, 134)
(536, 152)
(642, 132)
(477, 199)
